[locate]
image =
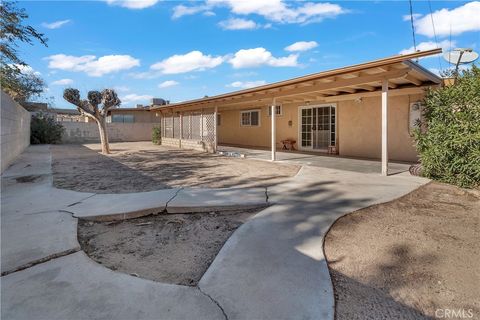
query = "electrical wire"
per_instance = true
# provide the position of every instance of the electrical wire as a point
(413, 27)
(435, 34)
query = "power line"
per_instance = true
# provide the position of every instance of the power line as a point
(435, 34)
(413, 27)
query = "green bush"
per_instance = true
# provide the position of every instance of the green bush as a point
(448, 137)
(45, 130)
(156, 135)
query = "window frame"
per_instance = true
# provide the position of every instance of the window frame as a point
(269, 108)
(250, 112)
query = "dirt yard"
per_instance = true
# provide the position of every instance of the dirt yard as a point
(171, 248)
(408, 258)
(143, 166)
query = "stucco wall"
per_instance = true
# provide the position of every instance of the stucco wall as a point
(83, 132)
(15, 132)
(358, 127)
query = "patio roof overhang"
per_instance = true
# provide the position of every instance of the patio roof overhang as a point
(362, 80)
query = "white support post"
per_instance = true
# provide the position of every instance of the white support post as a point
(274, 131)
(181, 125)
(215, 144)
(385, 127)
(201, 125)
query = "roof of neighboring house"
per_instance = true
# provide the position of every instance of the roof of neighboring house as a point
(129, 109)
(73, 112)
(365, 79)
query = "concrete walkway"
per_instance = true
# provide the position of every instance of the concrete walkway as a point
(271, 268)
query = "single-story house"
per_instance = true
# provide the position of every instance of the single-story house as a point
(366, 110)
(131, 115)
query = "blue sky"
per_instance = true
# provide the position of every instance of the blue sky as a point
(185, 50)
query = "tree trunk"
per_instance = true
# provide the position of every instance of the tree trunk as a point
(102, 128)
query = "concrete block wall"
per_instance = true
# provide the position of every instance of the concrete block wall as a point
(15, 130)
(87, 132)
(187, 144)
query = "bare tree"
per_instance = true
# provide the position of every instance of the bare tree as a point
(90, 108)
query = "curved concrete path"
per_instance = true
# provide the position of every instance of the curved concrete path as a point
(271, 268)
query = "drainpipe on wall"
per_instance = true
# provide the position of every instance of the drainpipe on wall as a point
(385, 127)
(274, 131)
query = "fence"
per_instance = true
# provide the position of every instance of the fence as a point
(84, 132)
(15, 125)
(191, 130)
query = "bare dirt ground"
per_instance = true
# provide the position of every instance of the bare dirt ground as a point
(171, 248)
(408, 258)
(143, 166)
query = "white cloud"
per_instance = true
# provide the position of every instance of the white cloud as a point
(121, 88)
(181, 10)
(246, 84)
(26, 69)
(62, 82)
(247, 58)
(456, 21)
(415, 16)
(302, 46)
(281, 12)
(192, 61)
(168, 83)
(91, 65)
(428, 45)
(55, 25)
(133, 4)
(133, 97)
(238, 24)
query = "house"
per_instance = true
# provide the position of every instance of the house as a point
(366, 110)
(131, 115)
(60, 115)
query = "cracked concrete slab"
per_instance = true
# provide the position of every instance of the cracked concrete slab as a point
(30, 237)
(205, 200)
(75, 287)
(107, 207)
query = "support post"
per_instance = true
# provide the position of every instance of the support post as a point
(201, 125)
(181, 126)
(274, 131)
(385, 127)
(215, 138)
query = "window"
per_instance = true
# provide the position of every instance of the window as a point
(219, 119)
(123, 118)
(278, 110)
(250, 118)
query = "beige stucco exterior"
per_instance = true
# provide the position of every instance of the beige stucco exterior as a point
(358, 127)
(140, 115)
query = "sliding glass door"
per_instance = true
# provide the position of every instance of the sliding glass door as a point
(317, 127)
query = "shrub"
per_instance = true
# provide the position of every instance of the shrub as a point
(45, 130)
(156, 135)
(448, 137)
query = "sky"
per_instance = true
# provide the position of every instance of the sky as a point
(185, 50)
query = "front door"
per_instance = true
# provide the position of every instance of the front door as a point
(318, 127)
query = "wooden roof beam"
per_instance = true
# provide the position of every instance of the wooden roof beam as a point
(410, 78)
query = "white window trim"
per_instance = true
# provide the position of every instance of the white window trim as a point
(281, 110)
(249, 111)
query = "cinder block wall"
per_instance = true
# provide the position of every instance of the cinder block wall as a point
(15, 131)
(87, 132)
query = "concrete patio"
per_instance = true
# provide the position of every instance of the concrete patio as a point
(317, 160)
(271, 268)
